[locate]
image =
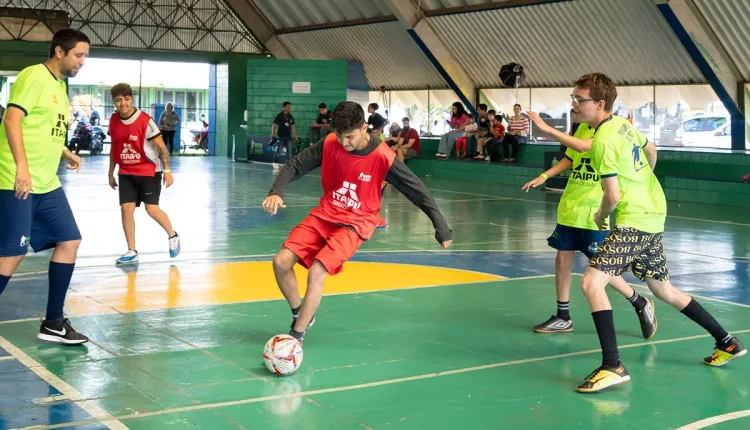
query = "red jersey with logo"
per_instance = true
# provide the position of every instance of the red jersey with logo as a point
(132, 144)
(351, 186)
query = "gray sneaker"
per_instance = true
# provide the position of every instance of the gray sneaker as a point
(555, 325)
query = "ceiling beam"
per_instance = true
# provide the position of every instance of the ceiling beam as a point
(487, 6)
(337, 24)
(259, 26)
(710, 57)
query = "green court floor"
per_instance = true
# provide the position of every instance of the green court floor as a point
(410, 336)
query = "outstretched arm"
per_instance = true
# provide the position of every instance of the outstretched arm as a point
(408, 184)
(569, 141)
(297, 167)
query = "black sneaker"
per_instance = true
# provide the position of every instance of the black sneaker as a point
(555, 324)
(604, 377)
(60, 331)
(647, 317)
(723, 354)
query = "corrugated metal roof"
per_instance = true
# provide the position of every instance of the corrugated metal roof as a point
(298, 13)
(207, 25)
(730, 21)
(627, 40)
(389, 55)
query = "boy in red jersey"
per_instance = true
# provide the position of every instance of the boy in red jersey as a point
(137, 147)
(353, 165)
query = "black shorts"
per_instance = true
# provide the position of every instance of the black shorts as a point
(626, 249)
(137, 189)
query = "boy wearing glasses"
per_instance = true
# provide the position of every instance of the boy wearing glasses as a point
(625, 160)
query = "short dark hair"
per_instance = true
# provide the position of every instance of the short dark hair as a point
(482, 106)
(492, 111)
(322, 106)
(517, 104)
(121, 89)
(374, 106)
(67, 39)
(347, 116)
(601, 87)
(406, 118)
(283, 105)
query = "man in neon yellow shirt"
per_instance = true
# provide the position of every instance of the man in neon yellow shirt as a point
(35, 210)
(577, 231)
(625, 160)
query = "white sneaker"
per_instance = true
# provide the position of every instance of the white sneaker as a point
(174, 245)
(129, 257)
(275, 166)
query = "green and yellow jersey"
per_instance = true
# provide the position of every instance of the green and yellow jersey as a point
(617, 151)
(583, 193)
(44, 100)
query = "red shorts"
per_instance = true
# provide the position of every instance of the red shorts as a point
(317, 239)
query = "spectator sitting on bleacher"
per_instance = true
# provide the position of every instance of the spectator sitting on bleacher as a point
(469, 131)
(489, 145)
(518, 130)
(408, 142)
(395, 132)
(483, 130)
(458, 120)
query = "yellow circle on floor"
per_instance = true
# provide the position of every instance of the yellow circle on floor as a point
(174, 287)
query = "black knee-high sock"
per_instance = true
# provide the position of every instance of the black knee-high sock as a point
(59, 281)
(697, 313)
(605, 328)
(3, 282)
(563, 310)
(295, 312)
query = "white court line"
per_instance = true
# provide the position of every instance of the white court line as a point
(716, 420)
(533, 201)
(232, 257)
(371, 384)
(90, 406)
(7, 358)
(20, 321)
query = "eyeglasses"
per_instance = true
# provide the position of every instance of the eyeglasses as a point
(576, 101)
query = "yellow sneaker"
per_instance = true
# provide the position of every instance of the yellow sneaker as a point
(723, 354)
(604, 377)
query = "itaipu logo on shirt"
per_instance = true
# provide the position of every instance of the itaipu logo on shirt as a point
(128, 154)
(61, 127)
(346, 197)
(585, 171)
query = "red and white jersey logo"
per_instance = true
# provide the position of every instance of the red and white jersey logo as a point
(346, 197)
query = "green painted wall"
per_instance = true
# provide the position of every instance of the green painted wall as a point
(269, 84)
(699, 177)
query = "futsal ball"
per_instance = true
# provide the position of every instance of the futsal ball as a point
(282, 354)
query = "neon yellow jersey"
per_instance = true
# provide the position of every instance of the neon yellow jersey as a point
(617, 150)
(583, 193)
(44, 100)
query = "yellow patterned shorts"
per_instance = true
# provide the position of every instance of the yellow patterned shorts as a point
(626, 249)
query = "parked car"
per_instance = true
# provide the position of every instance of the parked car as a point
(707, 130)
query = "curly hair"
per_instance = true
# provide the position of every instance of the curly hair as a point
(347, 116)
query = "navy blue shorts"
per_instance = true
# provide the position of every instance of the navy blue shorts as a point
(566, 238)
(42, 221)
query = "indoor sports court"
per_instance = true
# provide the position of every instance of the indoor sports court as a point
(408, 336)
